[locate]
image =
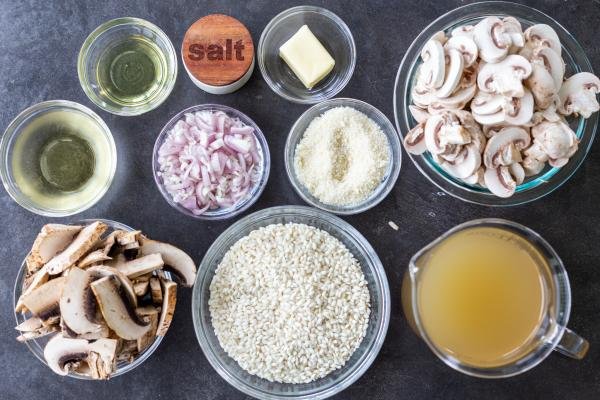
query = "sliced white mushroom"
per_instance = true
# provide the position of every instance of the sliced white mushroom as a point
(512, 28)
(505, 77)
(38, 333)
(466, 46)
(457, 101)
(433, 69)
(542, 86)
(52, 239)
(124, 238)
(101, 359)
(85, 240)
(414, 141)
(422, 96)
(30, 324)
(515, 111)
(464, 30)
(418, 113)
(557, 140)
(476, 178)
(77, 304)
(37, 280)
(553, 63)
(118, 312)
(543, 35)
(465, 164)
(517, 172)
(532, 166)
(453, 74)
(500, 181)
(43, 301)
(491, 39)
(577, 95)
(504, 148)
(101, 271)
(169, 290)
(64, 355)
(174, 259)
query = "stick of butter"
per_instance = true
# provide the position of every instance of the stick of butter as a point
(307, 57)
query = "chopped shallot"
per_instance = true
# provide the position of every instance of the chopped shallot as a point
(208, 161)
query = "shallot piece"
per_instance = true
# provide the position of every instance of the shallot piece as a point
(209, 161)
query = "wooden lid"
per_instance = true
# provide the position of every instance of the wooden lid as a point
(217, 50)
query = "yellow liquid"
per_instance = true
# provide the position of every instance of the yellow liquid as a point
(481, 296)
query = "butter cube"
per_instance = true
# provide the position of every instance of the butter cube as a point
(307, 57)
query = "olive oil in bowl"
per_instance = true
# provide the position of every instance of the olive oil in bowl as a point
(60, 156)
(130, 72)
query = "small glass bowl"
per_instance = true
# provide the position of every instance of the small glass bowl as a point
(337, 380)
(107, 35)
(36, 346)
(251, 197)
(30, 116)
(391, 174)
(331, 31)
(535, 187)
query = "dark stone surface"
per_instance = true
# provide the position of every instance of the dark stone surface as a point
(39, 42)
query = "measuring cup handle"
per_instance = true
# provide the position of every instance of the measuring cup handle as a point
(572, 345)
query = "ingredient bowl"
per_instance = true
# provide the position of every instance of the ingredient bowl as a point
(255, 189)
(36, 346)
(333, 34)
(534, 187)
(21, 162)
(158, 50)
(362, 357)
(391, 174)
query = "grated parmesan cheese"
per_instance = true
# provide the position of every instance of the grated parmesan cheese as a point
(342, 157)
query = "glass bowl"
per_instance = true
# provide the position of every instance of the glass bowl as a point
(251, 197)
(535, 187)
(391, 174)
(36, 346)
(337, 380)
(101, 179)
(106, 37)
(331, 31)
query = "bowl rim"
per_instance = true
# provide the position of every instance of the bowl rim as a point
(14, 129)
(337, 224)
(546, 185)
(388, 184)
(128, 111)
(237, 208)
(276, 20)
(31, 344)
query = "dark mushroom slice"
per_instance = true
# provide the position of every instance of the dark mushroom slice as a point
(43, 301)
(100, 271)
(64, 355)
(169, 290)
(150, 315)
(142, 265)
(125, 238)
(141, 288)
(52, 239)
(174, 258)
(38, 279)
(83, 243)
(77, 303)
(156, 291)
(117, 309)
(101, 359)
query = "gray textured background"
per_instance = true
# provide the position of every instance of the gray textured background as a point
(39, 42)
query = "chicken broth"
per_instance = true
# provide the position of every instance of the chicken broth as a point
(481, 296)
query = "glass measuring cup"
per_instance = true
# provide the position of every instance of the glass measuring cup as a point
(552, 332)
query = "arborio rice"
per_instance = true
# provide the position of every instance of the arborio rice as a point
(289, 303)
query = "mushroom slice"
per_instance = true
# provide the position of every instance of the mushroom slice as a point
(515, 111)
(453, 74)
(466, 164)
(117, 310)
(532, 166)
(414, 141)
(43, 301)
(500, 181)
(492, 41)
(543, 35)
(37, 333)
(505, 77)
(433, 69)
(418, 113)
(103, 332)
(125, 238)
(542, 86)
(169, 290)
(552, 62)
(84, 242)
(29, 325)
(141, 288)
(464, 30)
(457, 101)
(476, 178)
(150, 315)
(64, 354)
(518, 172)
(101, 359)
(108, 242)
(156, 291)
(96, 256)
(142, 265)
(557, 140)
(101, 271)
(175, 259)
(512, 27)
(52, 239)
(504, 147)
(38, 279)
(77, 304)
(577, 95)
(466, 46)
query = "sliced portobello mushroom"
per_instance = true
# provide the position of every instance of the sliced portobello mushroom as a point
(150, 315)
(156, 291)
(52, 239)
(64, 355)
(117, 309)
(169, 291)
(142, 265)
(29, 325)
(95, 257)
(77, 303)
(85, 240)
(100, 271)
(37, 333)
(174, 258)
(38, 279)
(43, 301)
(141, 288)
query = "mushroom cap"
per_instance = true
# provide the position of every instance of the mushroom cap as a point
(466, 46)
(542, 34)
(578, 95)
(505, 77)
(495, 153)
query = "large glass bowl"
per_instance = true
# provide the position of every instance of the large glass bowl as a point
(391, 174)
(337, 380)
(251, 196)
(535, 187)
(36, 346)
(74, 203)
(333, 34)
(104, 38)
